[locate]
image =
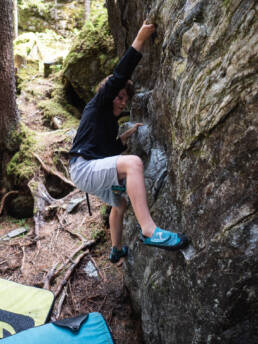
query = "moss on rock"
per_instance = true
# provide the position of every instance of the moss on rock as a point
(58, 106)
(91, 58)
(22, 165)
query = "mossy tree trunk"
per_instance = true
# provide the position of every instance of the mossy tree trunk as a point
(8, 109)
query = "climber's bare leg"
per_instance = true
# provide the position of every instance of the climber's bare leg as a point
(131, 168)
(116, 223)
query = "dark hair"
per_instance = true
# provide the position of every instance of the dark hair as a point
(129, 86)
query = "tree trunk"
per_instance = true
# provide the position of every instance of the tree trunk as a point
(8, 108)
(15, 18)
(87, 9)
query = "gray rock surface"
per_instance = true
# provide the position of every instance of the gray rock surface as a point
(198, 98)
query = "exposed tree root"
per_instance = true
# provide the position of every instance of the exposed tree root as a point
(55, 173)
(4, 198)
(41, 199)
(43, 203)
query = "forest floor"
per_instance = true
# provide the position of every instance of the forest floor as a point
(47, 261)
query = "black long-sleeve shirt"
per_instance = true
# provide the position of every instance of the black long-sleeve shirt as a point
(96, 136)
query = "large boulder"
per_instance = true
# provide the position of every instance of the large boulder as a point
(62, 16)
(198, 98)
(91, 58)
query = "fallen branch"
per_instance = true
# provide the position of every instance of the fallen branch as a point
(85, 244)
(72, 296)
(23, 259)
(69, 272)
(53, 273)
(101, 306)
(98, 269)
(60, 303)
(50, 171)
(4, 198)
(49, 277)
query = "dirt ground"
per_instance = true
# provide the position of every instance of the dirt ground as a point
(46, 260)
(26, 261)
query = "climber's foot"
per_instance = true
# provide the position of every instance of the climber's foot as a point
(116, 254)
(165, 239)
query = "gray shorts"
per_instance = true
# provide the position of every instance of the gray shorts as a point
(97, 177)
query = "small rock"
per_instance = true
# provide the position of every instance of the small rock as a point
(14, 233)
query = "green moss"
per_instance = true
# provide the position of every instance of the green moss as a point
(94, 35)
(227, 3)
(173, 136)
(22, 165)
(98, 234)
(123, 120)
(58, 106)
(51, 109)
(92, 56)
(24, 75)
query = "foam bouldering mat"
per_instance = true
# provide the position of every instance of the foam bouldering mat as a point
(85, 329)
(22, 307)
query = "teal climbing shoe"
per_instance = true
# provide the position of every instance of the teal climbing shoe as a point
(165, 239)
(116, 254)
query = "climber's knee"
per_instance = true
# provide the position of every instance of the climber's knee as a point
(129, 164)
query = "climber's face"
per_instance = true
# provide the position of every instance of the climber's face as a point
(119, 103)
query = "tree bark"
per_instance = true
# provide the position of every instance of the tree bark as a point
(8, 108)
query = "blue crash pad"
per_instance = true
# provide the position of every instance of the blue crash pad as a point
(93, 330)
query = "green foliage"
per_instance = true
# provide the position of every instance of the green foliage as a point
(98, 234)
(103, 210)
(22, 165)
(19, 223)
(41, 6)
(58, 106)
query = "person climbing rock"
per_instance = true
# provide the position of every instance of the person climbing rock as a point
(97, 166)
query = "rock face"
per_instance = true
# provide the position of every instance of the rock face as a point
(198, 98)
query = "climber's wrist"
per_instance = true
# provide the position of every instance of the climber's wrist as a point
(138, 44)
(143, 34)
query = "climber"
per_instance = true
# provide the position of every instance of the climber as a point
(97, 166)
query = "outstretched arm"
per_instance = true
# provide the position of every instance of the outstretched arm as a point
(143, 34)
